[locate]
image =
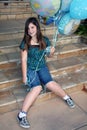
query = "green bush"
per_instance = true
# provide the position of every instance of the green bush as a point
(82, 30)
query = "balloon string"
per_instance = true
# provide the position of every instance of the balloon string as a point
(56, 32)
(55, 38)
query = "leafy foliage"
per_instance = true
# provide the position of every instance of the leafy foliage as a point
(82, 30)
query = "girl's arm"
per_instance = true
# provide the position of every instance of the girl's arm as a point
(24, 65)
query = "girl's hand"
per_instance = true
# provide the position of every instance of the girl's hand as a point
(25, 80)
(52, 50)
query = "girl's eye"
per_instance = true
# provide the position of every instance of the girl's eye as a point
(32, 27)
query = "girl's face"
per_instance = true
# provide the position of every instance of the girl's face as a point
(32, 30)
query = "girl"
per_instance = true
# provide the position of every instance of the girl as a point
(34, 68)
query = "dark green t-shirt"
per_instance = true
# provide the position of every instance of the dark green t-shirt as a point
(36, 57)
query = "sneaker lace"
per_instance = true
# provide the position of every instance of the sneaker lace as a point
(69, 101)
(24, 120)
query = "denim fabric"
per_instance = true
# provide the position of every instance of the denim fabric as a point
(39, 77)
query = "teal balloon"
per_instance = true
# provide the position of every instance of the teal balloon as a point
(67, 25)
(45, 8)
(65, 5)
(78, 9)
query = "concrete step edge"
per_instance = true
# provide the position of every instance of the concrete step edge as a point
(13, 2)
(59, 52)
(61, 41)
(16, 103)
(13, 28)
(16, 13)
(11, 83)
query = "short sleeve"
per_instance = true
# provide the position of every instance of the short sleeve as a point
(47, 41)
(22, 45)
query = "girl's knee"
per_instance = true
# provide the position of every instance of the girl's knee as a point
(37, 88)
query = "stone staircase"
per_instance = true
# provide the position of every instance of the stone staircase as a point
(15, 10)
(68, 65)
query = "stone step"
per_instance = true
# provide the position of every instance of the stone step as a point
(70, 82)
(15, 10)
(73, 49)
(4, 3)
(13, 29)
(12, 45)
(7, 46)
(7, 10)
(10, 78)
(14, 6)
(20, 15)
(68, 65)
(10, 57)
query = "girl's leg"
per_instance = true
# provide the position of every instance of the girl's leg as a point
(35, 91)
(28, 101)
(30, 98)
(55, 87)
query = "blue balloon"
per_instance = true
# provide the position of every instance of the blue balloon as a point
(45, 20)
(49, 20)
(67, 25)
(65, 5)
(58, 16)
(78, 9)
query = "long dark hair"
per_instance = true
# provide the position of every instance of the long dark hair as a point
(27, 37)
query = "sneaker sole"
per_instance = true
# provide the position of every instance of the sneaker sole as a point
(72, 106)
(25, 126)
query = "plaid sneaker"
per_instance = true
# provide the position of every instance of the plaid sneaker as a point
(70, 102)
(23, 122)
